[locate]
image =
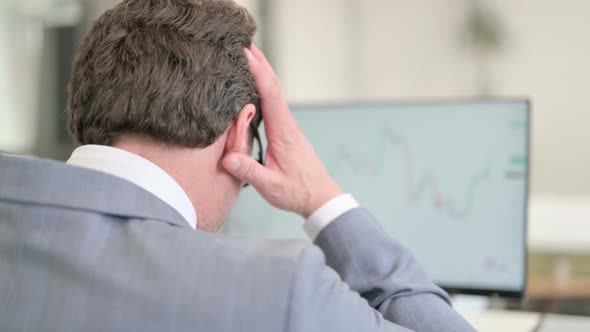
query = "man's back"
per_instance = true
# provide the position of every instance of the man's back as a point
(86, 251)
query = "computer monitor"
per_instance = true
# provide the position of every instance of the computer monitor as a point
(447, 179)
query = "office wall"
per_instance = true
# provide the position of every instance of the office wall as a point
(21, 41)
(549, 59)
(352, 49)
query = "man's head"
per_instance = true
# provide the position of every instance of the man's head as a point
(172, 73)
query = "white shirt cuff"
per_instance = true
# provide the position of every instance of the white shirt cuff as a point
(323, 216)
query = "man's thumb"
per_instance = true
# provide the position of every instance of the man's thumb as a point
(243, 167)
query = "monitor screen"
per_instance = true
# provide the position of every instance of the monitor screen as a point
(449, 180)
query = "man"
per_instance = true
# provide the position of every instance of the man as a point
(163, 100)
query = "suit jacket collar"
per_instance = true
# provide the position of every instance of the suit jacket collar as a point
(52, 183)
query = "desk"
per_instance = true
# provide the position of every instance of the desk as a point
(512, 321)
(546, 288)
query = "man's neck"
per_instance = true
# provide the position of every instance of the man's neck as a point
(193, 169)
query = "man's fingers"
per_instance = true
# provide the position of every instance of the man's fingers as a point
(259, 55)
(248, 170)
(274, 106)
(267, 81)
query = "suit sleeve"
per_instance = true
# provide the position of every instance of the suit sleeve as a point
(385, 275)
(320, 301)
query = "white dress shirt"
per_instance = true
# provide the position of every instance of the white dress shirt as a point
(155, 180)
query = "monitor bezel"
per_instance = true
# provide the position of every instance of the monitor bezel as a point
(505, 293)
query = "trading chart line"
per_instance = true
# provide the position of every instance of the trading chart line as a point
(428, 183)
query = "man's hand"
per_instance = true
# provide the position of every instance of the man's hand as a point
(293, 177)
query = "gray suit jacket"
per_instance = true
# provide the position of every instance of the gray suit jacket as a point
(85, 251)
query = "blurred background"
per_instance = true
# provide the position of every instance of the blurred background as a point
(340, 50)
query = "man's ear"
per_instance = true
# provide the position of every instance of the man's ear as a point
(238, 136)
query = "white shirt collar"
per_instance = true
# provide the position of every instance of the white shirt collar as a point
(139, 171)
